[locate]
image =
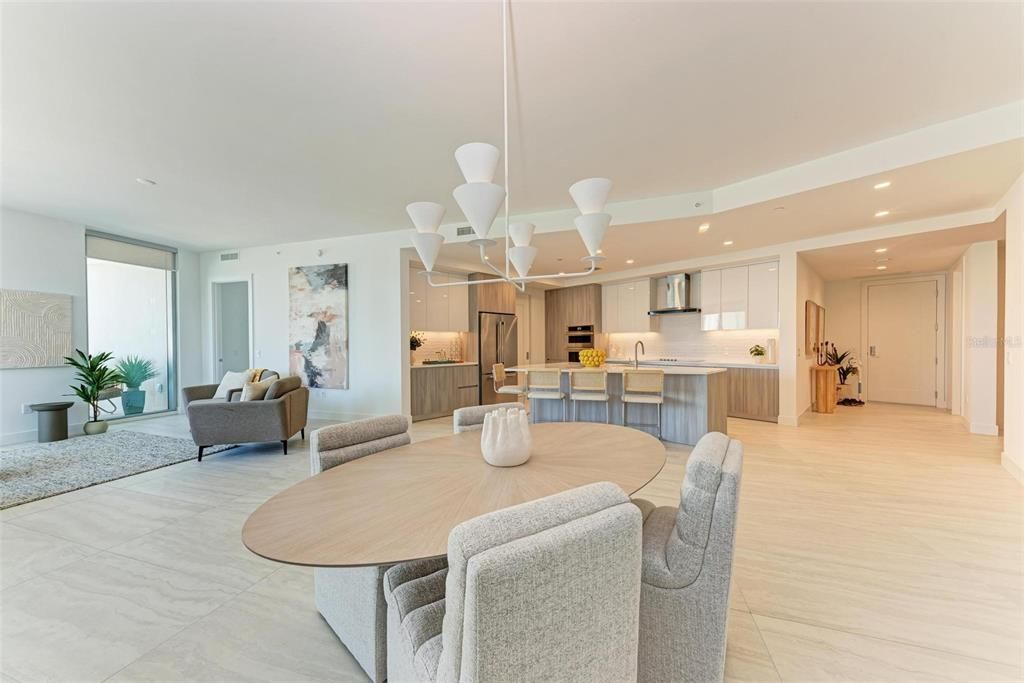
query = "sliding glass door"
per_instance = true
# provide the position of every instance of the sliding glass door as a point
(131, 304)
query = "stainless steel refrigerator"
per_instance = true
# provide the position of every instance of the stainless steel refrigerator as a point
(499, 343)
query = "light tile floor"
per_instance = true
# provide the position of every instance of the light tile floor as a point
(881, 544)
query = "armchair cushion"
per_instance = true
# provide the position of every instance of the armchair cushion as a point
(280, 387)
(257, 391)
(231, 380)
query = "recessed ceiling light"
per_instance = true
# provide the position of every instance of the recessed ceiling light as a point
(562, 273)
(145, 181)
(880, 214)
(881, 250)
(704, 227)
(487, 258)
(629, 261)
(413, 293)
(727, 243)
(881, 267)
(882, 185)
(600, 251)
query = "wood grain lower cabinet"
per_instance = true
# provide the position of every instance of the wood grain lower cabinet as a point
(437, 391)
(754, 393)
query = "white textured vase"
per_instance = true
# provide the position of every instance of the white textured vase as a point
(505, 439)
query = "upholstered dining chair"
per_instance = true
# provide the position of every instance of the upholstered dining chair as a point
(471, 418)
(687, 564)
(351, 600)
(544, 591)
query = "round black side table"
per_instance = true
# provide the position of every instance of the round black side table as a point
(53, 420)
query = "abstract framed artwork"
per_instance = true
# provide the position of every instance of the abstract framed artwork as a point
(318, 325)
(35, 329)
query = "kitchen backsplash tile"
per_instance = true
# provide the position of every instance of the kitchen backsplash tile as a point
(680, 336)
(451, 345)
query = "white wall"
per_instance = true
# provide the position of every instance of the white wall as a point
(809, 286)
(980, 331)
(1013, 333)
(189, 310)
(43, 255)
(378, 311)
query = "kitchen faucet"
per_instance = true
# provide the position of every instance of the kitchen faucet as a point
(636, 357)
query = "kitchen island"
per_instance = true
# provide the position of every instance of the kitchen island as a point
(696, 401)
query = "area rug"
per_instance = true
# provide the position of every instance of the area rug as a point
(42, 470)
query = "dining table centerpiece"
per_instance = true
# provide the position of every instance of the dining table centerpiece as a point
(505, 440)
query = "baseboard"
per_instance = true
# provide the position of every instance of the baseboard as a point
(12, 438)
(1011, 465)
(987, 430)
(789, 421)
(339, 416)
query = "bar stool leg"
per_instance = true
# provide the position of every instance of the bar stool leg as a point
(659, 420)
(608, 412)
(563, 411)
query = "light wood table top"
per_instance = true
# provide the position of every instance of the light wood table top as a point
(400, 504)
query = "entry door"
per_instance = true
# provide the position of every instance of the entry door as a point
(231, 312)
(902, 363)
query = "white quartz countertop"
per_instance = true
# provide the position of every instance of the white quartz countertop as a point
(443, 365)
(696, 364)
(668, 369)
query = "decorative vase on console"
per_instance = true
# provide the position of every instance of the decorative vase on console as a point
(505, 440)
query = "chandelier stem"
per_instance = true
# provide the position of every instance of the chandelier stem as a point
(504, 69)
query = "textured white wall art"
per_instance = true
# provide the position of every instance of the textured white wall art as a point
(318, 325)
(35, 329)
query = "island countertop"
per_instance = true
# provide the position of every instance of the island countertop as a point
(617, 369)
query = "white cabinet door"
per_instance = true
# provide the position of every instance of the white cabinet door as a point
(626, 318)
(642, 305)
(763, 296)
(417, 300)
(734, 298)
(710, 300)
(609, 308)
(437, 304)
(458, 305)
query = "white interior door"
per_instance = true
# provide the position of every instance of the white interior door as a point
(902, 362)
(231, 320)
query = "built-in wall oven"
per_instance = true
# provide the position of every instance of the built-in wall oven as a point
(578, 338)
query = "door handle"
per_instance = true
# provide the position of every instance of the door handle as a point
(871, 351)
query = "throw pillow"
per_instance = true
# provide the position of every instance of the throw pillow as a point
(232, 380)
(256, 391)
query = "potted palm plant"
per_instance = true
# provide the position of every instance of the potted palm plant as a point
(95, 378)
(135, 370)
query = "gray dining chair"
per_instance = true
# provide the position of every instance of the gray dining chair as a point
(351, 600)
(687, 566)
(544, 591)
(471, 418)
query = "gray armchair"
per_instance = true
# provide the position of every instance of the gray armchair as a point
(687, 564)
(544, 591)
(351, 601)
(471, 418)
(277, 417)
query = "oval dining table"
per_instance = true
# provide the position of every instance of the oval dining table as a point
(400, 504)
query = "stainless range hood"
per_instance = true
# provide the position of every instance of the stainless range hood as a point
(673, 295)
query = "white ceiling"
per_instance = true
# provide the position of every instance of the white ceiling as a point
(270, 122)
(921, 253)
(963, 182)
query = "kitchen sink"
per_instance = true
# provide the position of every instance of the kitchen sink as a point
(440, 362)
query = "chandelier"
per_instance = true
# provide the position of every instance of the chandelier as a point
(480, 199)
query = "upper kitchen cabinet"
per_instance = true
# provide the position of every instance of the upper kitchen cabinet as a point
(626, 306)
(763, 296)
(437, 309)
(496, 297)
(710, 300)
(740, 298)
(734, 298)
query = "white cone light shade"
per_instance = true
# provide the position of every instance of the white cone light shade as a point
(477, 161)
(591, 194)
(480, 203)
(428, 244)
(522, 258)
(592, 228)
(521, 233)
(426, 216)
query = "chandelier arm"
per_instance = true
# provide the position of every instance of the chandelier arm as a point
(483, 260)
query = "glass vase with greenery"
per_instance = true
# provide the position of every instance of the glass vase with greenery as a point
(135, 370)
(94, 377)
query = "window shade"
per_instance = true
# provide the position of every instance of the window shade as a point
(134, 253)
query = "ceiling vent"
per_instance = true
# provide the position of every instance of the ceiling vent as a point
(464, 230)
(229, 256)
